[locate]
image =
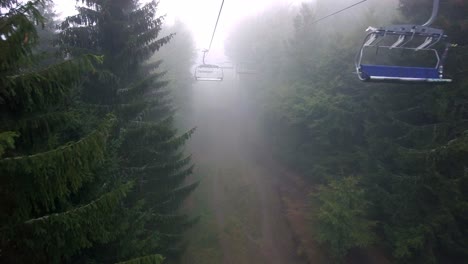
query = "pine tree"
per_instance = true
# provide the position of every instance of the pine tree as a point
(150, 152)
(46, 158)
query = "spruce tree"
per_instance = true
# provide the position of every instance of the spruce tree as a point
(46, 158)
(150, 153)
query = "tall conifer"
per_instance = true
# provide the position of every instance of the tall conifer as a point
(46, 159)
(126, 33)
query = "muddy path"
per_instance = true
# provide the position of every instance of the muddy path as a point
(242, 214)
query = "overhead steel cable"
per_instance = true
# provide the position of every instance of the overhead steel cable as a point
(339, 11)
(216, 25)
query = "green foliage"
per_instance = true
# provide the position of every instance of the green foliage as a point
(32, 90)
(407, 142)
(53, 200)
(17, 25)
(342, 219)
(148, 150)
(7, 141)
(72, 230)
(154, 259)
(44, 178)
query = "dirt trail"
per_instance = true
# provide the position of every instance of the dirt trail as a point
(252, 209)
(239, 189)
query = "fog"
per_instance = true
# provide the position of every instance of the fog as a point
(254, 200)
(312, 135)
(200, 16)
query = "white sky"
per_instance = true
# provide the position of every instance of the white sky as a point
(200, 15)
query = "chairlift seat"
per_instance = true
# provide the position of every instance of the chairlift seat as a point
(399, 73)
(208, 72)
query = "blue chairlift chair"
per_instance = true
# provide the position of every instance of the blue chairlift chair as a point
(414, 38)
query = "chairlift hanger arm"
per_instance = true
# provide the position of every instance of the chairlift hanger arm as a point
(435, 11)
(204, 54)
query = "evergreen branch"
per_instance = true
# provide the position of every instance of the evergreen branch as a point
(79, 40)
(163, 111)
(99, 131)
(45, 177)
(172, 199)
(169, 167)
(75, 229)
(421, 126)
(131, 111)
(157, 140)
(140, 88)
(20, 33)
(28, 9)
(179, 222)
(142, 53)
(148, 37)
(107, 108)
(428, 158)
(85, 17)
(67, 67)
(153, 259)
(170, 180)
(149, 67)
(96, 4)
(35, 90)
(7, 141)
(104, 203)
(40, 122)
(145, 13)
(150, 132)
(179, 141)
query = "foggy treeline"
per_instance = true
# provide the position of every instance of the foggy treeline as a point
(389, 159)
(92, 165)
(92, 169)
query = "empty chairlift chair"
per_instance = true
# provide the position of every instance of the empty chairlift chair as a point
(208, 72)
(421, 49)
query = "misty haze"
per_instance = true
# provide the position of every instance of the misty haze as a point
(234, 131)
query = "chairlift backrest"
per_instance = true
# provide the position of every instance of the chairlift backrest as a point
(209, 72)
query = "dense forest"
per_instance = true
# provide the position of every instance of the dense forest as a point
(389, 160)
(94, 110)
(92, 168)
